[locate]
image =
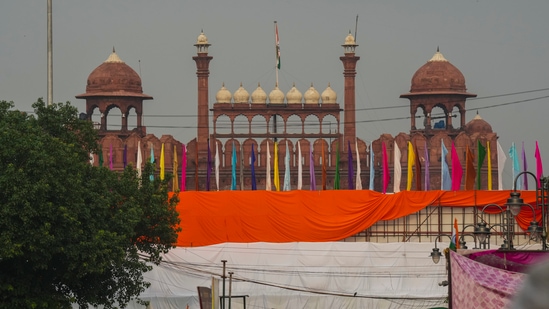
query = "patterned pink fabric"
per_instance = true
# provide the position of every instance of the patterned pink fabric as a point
(476, 285)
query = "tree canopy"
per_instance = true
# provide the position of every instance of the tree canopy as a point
(71, 232)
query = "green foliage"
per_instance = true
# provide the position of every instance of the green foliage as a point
(71, 232)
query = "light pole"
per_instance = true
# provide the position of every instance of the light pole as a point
(515, 203)
(435, 255)
(513, 207)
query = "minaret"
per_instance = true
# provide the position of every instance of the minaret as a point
(349, 72)
(202, 72)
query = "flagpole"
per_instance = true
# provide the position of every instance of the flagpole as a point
(277, 55)
(50, 53)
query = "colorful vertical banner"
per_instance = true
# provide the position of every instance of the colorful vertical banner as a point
(299, 167)
(501, 164)
(208, 167)
(426, 176)
(100, 156)
(151, 177)
(418, 170)
(139, 161)
(252, 164)
(525, 168)
(125, 156)
(276, 173)
(217, 164)
(397, 155)
(457, 170)
(110, 158)
(489, 163)
(446, 180)
(312, 170)
(411, 163)
(324, 161)
(183, 167)
(516, 166)
(470, 173)
(336, 178)
(268, 170)
(372, 169)
(351, 172)
(539, 165)
(162, 167)
(358, 185)
(175, 166)
(386, 176)
(287, 186)
(233, 169)
(481, 155)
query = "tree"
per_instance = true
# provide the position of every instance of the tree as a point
(71, 232)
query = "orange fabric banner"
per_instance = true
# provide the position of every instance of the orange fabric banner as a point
(209, 218)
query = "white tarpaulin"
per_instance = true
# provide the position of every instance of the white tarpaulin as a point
(303, 275)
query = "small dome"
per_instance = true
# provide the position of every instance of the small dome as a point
(223, 95)
(350, 39)
(276, 96)
(478, 125)
(312, 96)
(294, 96)
(114, 78)
(241, 95)
(438, 75)
(259, 96)
(202, 39)
(328, 95)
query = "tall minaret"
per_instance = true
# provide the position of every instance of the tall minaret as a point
(202, 72)
(349, 72)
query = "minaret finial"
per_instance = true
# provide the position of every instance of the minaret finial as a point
(438, 50)
(113, 49)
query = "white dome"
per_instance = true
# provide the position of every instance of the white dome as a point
(259, 96)
(312, 96)
(241, 95)
(202, 39)
(276, 96)
(223, 95)
(294, 96)
(329, 95)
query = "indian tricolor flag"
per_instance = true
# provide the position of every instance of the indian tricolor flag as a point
(277, 46)
(454, 243)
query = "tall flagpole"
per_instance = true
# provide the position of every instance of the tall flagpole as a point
(277, 45)
(50, 55)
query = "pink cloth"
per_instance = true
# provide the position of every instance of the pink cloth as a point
(476, 285)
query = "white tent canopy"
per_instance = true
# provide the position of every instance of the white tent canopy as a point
(303, 275)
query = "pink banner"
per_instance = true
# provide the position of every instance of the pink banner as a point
(476, 285)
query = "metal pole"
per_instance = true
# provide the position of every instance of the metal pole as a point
(223, 298)
(230, 288)
(50, 55)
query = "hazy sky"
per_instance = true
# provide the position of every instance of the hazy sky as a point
(501, 47)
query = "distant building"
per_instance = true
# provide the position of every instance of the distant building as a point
(437, 112)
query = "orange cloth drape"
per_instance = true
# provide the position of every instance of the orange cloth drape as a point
(209, 218)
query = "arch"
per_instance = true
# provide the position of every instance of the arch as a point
(228, 155)
(422, 114)
(247, 152)
(311, 124)
(223, 124)
(113, 118)
(276, 124)
(294, 124)
(259, 124)
(439, 117)
(457, 113)
(131, 118)
(241, 124)
(329, 124)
